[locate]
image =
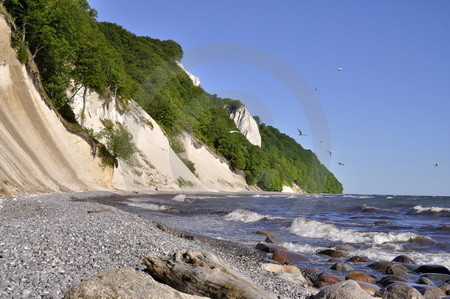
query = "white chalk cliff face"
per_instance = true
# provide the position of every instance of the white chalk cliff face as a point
(246, 124)
(195, 80)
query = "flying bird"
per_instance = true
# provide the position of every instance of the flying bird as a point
(321, 141)
(340, 163)
(340, 68)
(329, 152)
(436, 164)
(300, 133)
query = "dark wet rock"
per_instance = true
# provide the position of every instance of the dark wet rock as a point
(325, 279)
(433, 269)
(395, 271)
(341, 267)
(332, 253)
(202, 274)
(381, 222)
(429, 292)
(358, 259)
(270, 238)
(424, 280)
(344, 247)
(382, 266)
(361, 277)
(390, 279)
(437, 276)
(356, 272)
(290, 257)
(347, 289)
(263, 232)
(123, 283)
(333, 260)
(404, 259)
(270, 248)
(370, 288)
(399, 290)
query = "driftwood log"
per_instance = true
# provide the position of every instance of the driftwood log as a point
(203, 274)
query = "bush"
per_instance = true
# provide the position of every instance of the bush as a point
(119, 142)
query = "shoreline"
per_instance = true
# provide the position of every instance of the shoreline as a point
(50, 243)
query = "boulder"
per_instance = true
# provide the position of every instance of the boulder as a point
(437, 276)
(289, 257)
(361, 277)
(347, 289)
(370, 288)
(270, 248)
(272, 239)
(123, 283)
(430, 292)
(387, 280)
(433, 269)
(298, 279)
(341, 267)
(333, 260)
(357, 259)
(399, 290)
(382, 266)
(332, 253)
(324, 279)
(424, 280)
(392, 270)
(203, 274)
(404, 259)
(276, 268)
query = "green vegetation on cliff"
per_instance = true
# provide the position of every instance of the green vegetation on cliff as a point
(68, 43)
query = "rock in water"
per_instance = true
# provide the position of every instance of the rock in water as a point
(399, 290)
(203, 274)
(348, 289)
(123, 283)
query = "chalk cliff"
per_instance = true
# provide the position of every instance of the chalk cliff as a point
(246, 124)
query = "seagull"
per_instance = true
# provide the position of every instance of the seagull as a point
(340, 163)
(436, 164)
(316, 89)
(321, 141)
(340, 68)
(329, 152)
(300, 133)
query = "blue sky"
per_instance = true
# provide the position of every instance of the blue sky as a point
(385, 115)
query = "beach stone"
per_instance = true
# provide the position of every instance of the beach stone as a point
(290, 257)
(325, 279)
(276, 268)
(381, 222)
(341, 267)
(382, 266)
(429, 291)
(424, 280)
(390, 279)
(344, 247)
(270, 248)
(346, 289)
(404, 259)
(333, 260)
(202, 274)
(272, 239)
(123, 283)
(399, 290)
(370, 288)
(361, 277)
(437, 276)
(263, 232)
(357, 259)
(356, 272)
(294, 278)
(433, 269)
(445, 287)
(395, 271)
(332, 253)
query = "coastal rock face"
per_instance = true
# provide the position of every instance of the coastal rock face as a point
(246, 124)
(124, 283)
(347, 289)
(37, 152)
(195, 80)
(203, 274)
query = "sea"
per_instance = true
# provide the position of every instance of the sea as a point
(378, 227)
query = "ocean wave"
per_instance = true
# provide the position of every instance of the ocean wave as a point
(180, 198)
(246, 216)
(148, 206)
(368, 208)
(431, 210)
(314, 229)
(262, 196)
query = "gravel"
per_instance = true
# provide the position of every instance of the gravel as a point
(49, 243)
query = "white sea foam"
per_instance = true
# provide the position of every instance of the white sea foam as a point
(179, 197)
(262, 196)
(246, 216)
(148, 206)
(314, 229)
(421, 209)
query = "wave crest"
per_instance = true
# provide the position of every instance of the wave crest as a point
(246, 216)
(431, 210)
(148, 206)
